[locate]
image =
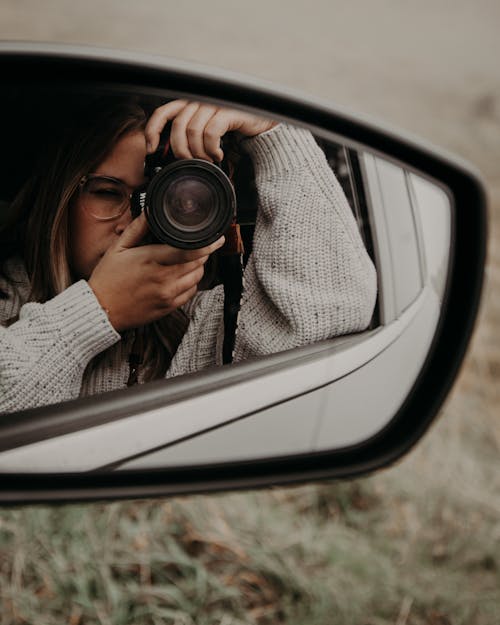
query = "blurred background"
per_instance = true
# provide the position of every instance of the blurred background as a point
(418, 543)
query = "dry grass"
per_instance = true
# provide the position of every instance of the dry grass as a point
(387, 550)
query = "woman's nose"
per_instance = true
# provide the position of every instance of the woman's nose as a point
(123, 221)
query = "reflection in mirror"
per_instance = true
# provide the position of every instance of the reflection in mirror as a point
(115, 272)
(121, 301)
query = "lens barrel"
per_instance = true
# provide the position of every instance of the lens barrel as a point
(189, 203)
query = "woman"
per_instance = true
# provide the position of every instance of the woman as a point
(88, 307)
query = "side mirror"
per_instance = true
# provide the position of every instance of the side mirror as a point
(409, 221)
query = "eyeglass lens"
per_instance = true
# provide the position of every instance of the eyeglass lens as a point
(104, 198)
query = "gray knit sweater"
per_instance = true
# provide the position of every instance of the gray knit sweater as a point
(308, 278)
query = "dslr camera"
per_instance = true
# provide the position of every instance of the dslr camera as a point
(188, 203)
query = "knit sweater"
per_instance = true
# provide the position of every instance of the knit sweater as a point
(308, 278)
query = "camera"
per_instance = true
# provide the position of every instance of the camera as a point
(188, 203)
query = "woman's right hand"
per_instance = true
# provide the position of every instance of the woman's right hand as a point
(137, 284)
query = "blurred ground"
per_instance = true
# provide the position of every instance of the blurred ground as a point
(430, 68)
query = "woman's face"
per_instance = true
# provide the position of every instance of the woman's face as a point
(89, 237)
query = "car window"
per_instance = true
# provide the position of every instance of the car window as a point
(400, 225)
(395, 228)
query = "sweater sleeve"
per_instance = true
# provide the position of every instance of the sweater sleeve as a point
(309, 276)
(43, 355)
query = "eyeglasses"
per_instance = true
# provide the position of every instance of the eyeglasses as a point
(103, 197)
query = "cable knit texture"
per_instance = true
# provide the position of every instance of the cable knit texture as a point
(309, 278)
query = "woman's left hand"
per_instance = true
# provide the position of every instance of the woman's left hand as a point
(197, 128)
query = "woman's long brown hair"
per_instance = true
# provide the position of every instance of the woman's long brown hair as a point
(38, 224)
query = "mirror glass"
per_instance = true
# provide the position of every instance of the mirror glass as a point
(319, 305)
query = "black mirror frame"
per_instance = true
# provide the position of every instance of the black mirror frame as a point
(43, 64)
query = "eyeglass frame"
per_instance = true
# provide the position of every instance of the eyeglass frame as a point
(127, 195)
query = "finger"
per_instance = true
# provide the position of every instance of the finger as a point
(249, 125)
(168, 255)
(184, 283)
(156, 123)
(195, 131)
(178, 133)
(184, 298)
(220, 123)
(133, 233)
(183, 269)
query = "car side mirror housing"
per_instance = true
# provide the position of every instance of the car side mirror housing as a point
(342, 406)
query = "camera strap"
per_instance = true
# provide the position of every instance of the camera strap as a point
(135, 357)
(231, 273)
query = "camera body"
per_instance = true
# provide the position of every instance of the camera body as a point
(188, 203)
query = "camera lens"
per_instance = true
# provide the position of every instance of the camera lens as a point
(189, 204)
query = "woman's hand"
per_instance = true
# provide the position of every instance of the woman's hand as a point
(197, 128)
(137, 284)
